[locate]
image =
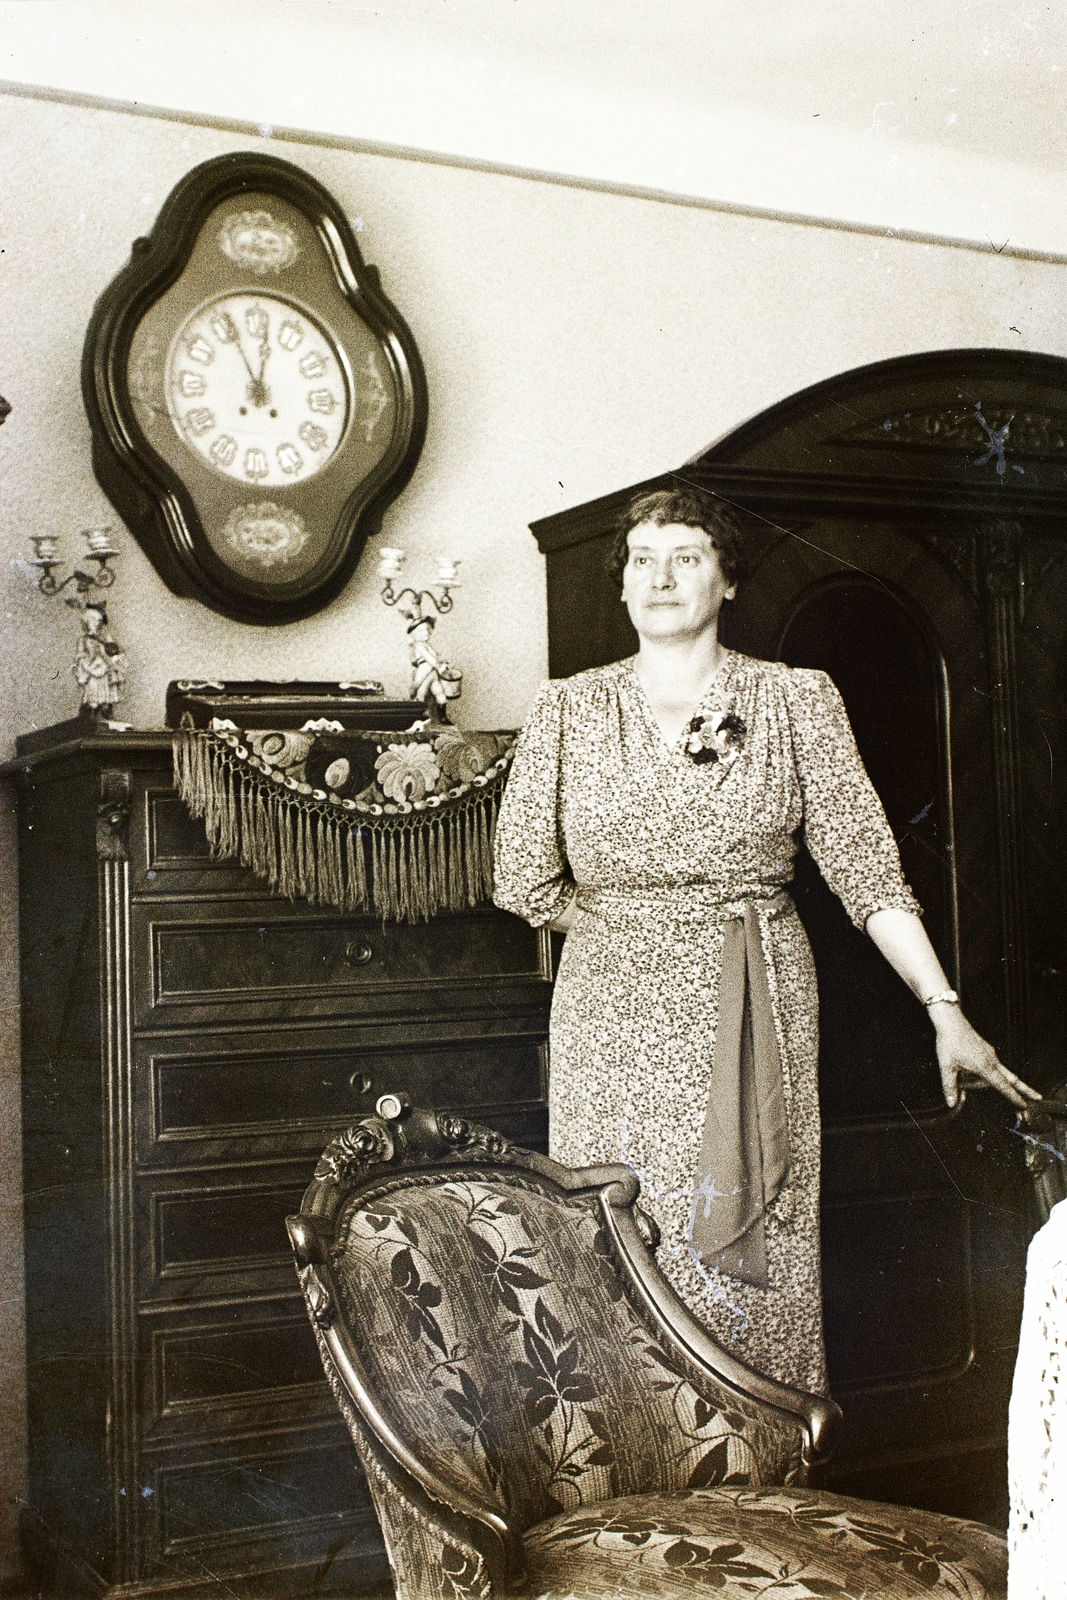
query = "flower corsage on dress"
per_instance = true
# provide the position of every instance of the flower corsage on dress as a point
(716, 734)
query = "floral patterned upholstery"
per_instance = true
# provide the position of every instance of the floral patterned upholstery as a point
(537, 1413)
(741, 1542)
(499, 1336)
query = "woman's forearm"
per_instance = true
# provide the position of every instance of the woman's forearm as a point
(902, 939)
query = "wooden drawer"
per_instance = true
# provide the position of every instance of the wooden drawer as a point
(198, 962)
(212, 1371)
(172, 840)
(286, 1091)
(219, 1231)
(286, 1499)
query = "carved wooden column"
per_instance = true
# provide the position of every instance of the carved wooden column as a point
(1001, 564)
(112, 848)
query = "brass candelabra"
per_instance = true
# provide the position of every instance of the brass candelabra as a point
(46, 557)
(391, 565)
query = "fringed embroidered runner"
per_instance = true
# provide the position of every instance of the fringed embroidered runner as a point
(400, 824)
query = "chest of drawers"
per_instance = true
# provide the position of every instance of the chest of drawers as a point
(190, 1044)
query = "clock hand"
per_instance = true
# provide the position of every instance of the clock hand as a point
(259, 327)
(258, 392)
(264, 352)
(226, 331)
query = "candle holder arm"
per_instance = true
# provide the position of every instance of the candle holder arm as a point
(442, 604)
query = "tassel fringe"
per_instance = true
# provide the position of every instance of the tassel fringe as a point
(405, 868)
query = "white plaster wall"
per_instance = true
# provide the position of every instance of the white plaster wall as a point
(932, 116)
(574, 341)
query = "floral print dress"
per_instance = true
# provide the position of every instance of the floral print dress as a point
(663, 846)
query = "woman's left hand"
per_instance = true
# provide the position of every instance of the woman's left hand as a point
(961, 1052)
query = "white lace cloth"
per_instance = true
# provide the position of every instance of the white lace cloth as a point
(1037, 1424)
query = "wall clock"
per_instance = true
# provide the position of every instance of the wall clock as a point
(255, 400)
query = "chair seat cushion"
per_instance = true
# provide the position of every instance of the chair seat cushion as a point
(740, 1542)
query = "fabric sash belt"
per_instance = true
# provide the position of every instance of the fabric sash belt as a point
(744, 1148)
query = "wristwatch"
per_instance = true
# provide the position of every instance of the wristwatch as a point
(947, 997)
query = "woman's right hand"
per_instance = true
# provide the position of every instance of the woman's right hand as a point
(963, 1055)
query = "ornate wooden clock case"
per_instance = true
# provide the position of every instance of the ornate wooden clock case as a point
(255, 400)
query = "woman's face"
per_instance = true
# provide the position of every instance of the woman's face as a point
(673, 582)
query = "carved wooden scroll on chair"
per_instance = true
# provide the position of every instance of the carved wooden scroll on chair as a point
(534, 1406)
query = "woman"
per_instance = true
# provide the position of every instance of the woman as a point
(650, 814)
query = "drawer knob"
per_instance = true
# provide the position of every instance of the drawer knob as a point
(392, 1106)
(358, 953)
(361, 1083)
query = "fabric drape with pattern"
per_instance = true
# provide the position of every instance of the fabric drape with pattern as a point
(398, 824)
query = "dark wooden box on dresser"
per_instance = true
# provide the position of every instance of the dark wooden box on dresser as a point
(190, 1044)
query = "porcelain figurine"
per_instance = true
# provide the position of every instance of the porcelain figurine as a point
(100, 664)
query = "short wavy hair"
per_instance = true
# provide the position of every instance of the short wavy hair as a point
(689, 508)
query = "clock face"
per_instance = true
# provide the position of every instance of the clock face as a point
(258, 389)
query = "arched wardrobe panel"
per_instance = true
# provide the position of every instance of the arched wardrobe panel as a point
(876, 1050)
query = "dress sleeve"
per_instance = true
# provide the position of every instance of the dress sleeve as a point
(845, 826)
(531, 874)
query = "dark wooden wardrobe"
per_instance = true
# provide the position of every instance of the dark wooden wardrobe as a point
(908, 530)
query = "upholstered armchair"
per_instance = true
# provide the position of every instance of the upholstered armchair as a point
(538, 1413)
